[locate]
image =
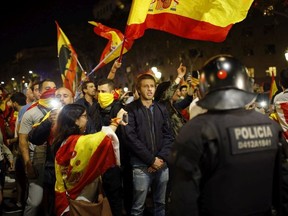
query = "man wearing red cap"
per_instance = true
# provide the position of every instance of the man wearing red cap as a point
(34, 156)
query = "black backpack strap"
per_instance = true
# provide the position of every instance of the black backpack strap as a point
(42, 109)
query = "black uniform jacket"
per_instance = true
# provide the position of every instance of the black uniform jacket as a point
(226, 164)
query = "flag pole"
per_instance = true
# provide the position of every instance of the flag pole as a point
(78, 85)
(122, 48)
(106, 57)
(78, 62)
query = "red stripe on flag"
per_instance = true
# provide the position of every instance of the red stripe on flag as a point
(102, 159)
(180, 26)
(284, 107)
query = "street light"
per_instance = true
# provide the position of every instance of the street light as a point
(286, 54)
(157, 73)
(154, 69)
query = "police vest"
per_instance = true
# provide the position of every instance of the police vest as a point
(238, 177)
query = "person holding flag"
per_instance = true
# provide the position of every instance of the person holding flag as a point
(116, 65)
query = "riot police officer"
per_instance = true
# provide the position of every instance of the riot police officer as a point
(226, 160)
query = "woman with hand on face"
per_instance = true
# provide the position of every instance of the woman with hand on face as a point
(80, 159)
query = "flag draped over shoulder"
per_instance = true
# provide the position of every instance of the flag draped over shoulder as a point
(281, 108)
(71, 73)
(199, 20)
(79, 161)
(113, 48)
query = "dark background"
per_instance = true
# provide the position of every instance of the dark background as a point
(28, 24)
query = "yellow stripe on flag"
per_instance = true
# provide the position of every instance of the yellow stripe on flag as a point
(218, 12)
(197, 19)
(138, 12)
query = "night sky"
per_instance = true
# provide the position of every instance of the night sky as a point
(28, 24)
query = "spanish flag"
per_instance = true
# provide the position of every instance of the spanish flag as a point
(71, 73)
(113, 48)
(80, 160)
(205, 20)
(273, 88)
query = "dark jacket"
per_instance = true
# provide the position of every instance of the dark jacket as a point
(226, 163)
(164, 94)
(109, 112)
(144, 143)
(93, 117)
(105, 116)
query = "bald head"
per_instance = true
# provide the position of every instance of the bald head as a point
(64, 95)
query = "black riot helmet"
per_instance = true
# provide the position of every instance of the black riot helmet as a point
(225, 84)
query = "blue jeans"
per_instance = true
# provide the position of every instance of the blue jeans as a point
(142, 180)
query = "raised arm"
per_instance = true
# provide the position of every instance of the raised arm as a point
(113, 70)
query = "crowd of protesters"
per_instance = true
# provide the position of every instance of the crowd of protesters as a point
(158, 148)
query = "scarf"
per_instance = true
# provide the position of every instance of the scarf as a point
(105, 99)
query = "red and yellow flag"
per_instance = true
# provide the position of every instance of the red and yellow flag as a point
(199, 20)
(79, 162)
(273, 88)
(71, 73)
(113, 48)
